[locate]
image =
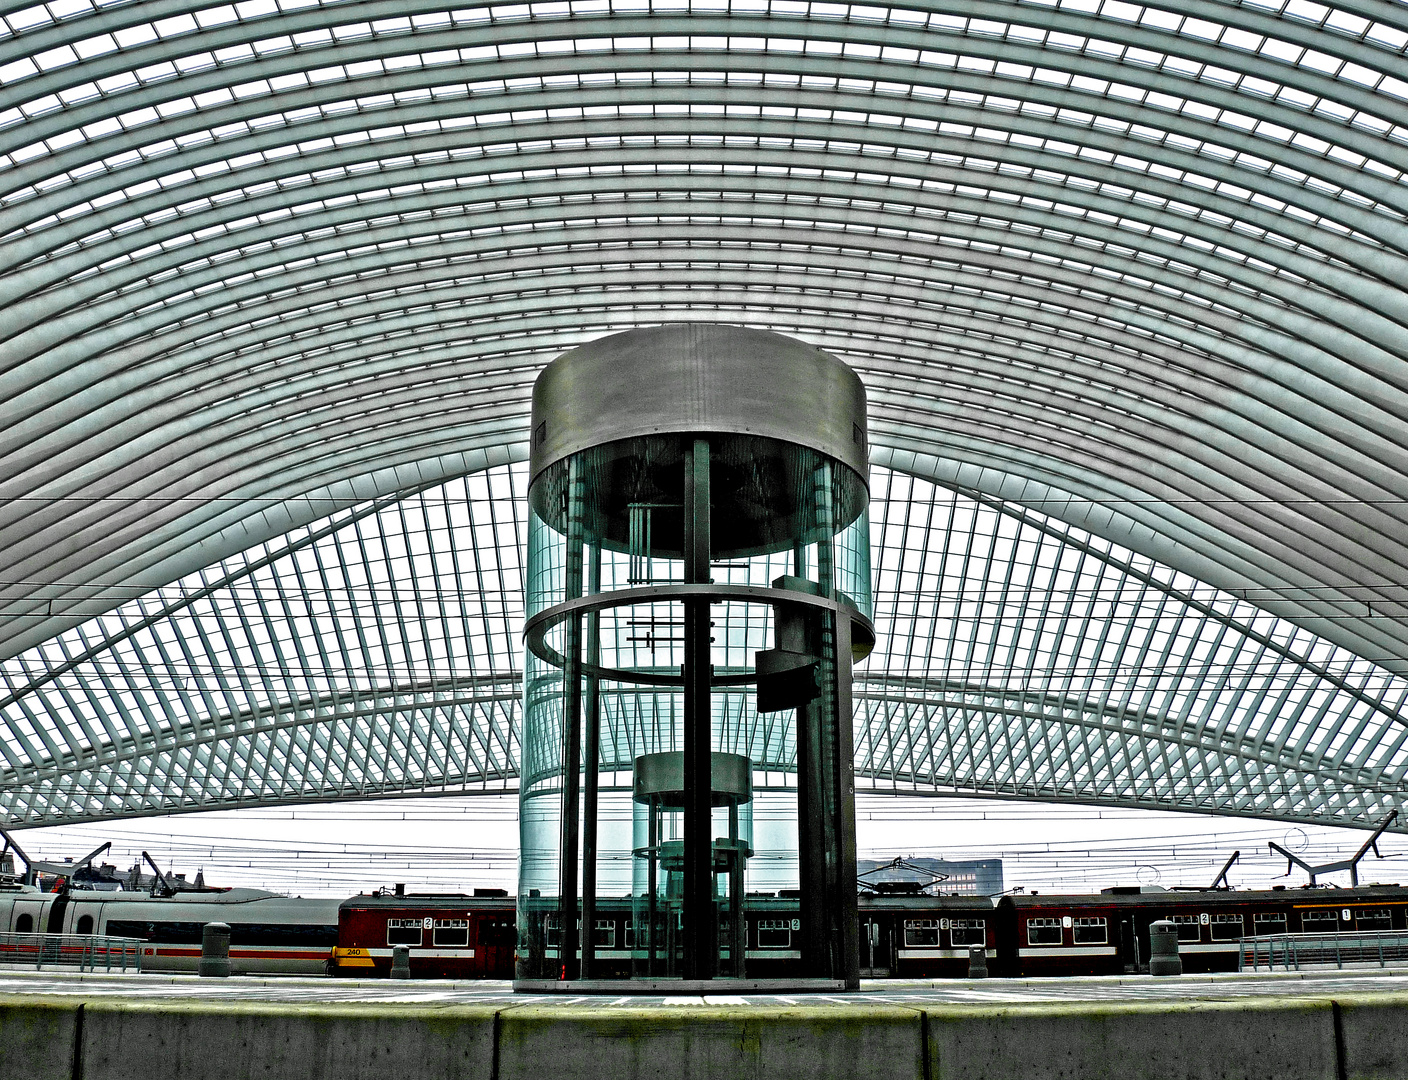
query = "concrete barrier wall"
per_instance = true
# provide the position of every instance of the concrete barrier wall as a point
(1203, 1041)
(700, 1043)
(38, 1037)
(1359, 1037)
(242, 1041)
(1373, 1036)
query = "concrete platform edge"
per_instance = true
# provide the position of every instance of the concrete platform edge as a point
(1349, 1037)
(677, 987)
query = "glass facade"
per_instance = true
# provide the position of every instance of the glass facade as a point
(606, 688)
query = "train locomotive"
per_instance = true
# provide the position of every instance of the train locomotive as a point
(269, 933)
(1108, 933)
(450, 936)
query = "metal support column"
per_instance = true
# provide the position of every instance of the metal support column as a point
(652, 883)
(591, 759)
(572, 728)
(700, 944)
(738, 927)
(838, 753)
(843, 781)
(811, 868)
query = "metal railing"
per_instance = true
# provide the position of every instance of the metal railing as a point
(86, 952)
(1290, 951)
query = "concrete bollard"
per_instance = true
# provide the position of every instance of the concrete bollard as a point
(1163, 949)
(401, 962)
(215, 951)
(977, 962)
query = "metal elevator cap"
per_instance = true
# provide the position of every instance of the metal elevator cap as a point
(707, 378)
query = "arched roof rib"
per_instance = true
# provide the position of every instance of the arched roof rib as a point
(1163, 531)
(1366, 286)
(1333, 296)
(193, 124)
(1118, 52)
(1198, 143)
(460, 123)
(1365, 469)
(214, 693)
(1135, 267)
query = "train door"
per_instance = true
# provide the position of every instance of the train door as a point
(85, 917)
(1129, 944)
(875, 947)
(497, 935)
(29, 916)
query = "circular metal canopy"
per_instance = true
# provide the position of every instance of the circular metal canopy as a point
(700, 377)
(1136, 269)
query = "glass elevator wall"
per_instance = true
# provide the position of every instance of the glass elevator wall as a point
(633, 686)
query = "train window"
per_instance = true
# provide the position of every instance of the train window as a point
(451, 932)
(921, 932)
(1374, 919)
(604, 934)
(189, 933)
(1319, 921)
(85, 925)
(403, 931)
(1188, 927)
(775, 933)
(272, 933)
(1091, 930)
(552, 931)
(1226, 927)
(1269, 922)
(969, 932)
(24, 924)
(1043, 931)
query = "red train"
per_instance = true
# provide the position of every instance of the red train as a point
(914, 935)
(901, 935)
(1108, 934)
(450, 936)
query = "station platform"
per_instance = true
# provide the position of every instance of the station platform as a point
(1328, 1025)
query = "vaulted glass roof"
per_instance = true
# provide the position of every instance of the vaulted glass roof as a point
(377, 653)
(1126, 277)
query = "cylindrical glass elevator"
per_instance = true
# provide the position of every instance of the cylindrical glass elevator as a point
(698, 589)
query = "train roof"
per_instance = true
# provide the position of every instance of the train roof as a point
(1189, 897)
(142, 896)
(925, 902)
(424, 900)
(181, 896)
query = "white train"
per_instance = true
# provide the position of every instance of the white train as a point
(269, 933)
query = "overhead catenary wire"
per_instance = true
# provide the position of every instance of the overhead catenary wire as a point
(309, 849)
